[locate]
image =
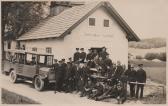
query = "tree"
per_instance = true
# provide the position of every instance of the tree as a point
(20, 17)
(151, 56)
(162, 56)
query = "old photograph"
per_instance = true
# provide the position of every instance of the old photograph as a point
(83, 52)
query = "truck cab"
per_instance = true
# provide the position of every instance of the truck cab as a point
(32, 66)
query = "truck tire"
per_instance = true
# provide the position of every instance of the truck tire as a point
(13, 76)
(38, 83)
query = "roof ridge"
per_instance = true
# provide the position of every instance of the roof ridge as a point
(66, 21)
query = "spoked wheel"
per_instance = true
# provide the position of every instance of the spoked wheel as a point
(13, 76)
(38, 83)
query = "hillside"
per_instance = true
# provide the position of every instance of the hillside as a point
(149, 43)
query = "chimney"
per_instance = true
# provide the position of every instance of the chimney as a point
(56, 7)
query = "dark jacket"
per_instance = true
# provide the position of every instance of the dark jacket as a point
(103, 54)
(89, 56)
(76, 56)
(118, 72)
(91, 64)
(132, 75)
(141, 76)
(82, 56)
(108, 62)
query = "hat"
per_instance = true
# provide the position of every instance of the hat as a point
(104, 47)
(77, 48)
(82, 49)
(140, 65)
(55, 60)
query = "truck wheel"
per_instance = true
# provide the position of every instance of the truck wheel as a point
(13, 76)
(38, 83)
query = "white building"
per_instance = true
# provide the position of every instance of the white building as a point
(92, 25)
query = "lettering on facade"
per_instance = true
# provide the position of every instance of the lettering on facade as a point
(98, 35)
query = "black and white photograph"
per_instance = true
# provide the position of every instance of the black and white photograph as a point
(96, 52)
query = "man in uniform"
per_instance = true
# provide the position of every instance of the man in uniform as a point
(59, 77)
(94, 54)
(55, 67)
(76, 55)
(141, 78)
(89, 55)
(131, 75)
(103, 53)
(82, 55)
(108, 65)
(98, 90)
(118, 71)
(68, 79)
(64, 69)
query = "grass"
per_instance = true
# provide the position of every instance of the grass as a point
(156, 71)
(9, 97)
(154, 98)
(148, 63)
(157, 74)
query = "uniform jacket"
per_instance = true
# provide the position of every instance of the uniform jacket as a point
(131, 75)
(103, 54)
(141, 76)
(76, 56)
(82, 56)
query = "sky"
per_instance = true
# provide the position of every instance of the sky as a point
(148, 18)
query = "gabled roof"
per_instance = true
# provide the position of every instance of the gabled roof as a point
(62, 24)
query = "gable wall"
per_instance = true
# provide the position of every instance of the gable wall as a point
(88, 36)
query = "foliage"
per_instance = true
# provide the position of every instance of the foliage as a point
(149, 43)
(160, 56)
(139, 57)
(20, 17)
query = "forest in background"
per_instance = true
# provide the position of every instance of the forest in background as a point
(149, 43)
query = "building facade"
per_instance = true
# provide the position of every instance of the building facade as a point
(96, 28)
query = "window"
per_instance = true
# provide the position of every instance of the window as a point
(34, 49)
(92, 21)
(48, 50)
(106, 23)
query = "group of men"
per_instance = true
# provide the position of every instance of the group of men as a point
(108, 80)
(137, 80)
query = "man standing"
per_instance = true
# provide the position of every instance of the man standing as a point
(55, 67)
(141, 79)
(89, 55)
(108, 65)
(103, 53)
(76, 55)
(131, 74)
(82, 55)
(59, 77)
(119, 70)
(64, 69)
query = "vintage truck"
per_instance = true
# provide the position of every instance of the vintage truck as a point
(32, 66)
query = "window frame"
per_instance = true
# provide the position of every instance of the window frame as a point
(34, 49)
(92, 21)
(105, 24)
(48, 50)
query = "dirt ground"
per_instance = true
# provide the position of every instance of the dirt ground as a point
(152, 94)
